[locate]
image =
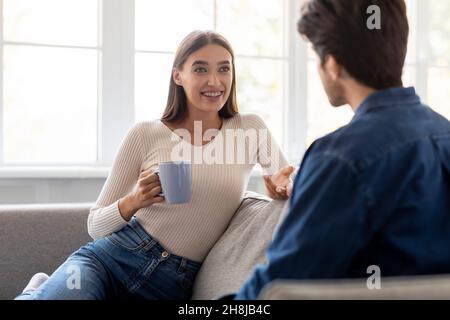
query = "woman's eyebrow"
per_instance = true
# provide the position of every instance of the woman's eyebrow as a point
(196, 62)
(202, 62)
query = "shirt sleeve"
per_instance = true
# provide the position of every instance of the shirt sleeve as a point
(104, 217)
(323, 229)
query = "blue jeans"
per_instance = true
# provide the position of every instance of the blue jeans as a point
(128, 264)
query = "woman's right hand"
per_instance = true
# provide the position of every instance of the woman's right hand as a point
(144, 194)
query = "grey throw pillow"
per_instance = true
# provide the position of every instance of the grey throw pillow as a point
(233, 258)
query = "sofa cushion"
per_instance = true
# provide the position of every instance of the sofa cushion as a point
(242, 246)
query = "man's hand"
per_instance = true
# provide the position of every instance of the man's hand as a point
(279, 185)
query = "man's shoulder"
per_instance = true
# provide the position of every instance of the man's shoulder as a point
(348, 143)
(358, 143)
(369, 139)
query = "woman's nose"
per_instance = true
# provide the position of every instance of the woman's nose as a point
(213, 80)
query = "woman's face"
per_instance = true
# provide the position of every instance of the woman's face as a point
(206, 78)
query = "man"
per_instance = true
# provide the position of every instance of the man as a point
(376, 191)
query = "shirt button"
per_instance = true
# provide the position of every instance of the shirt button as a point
(165, 254)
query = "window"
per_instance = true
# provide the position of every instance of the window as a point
(49, 107)
(438, 68)
(77, 74)
(322, 118)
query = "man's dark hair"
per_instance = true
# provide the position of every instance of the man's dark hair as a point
(339, 28)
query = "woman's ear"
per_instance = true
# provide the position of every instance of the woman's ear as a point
(177, 76)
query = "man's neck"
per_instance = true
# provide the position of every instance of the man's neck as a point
(356, 94)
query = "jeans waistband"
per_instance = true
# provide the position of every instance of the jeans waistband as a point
(154, 246)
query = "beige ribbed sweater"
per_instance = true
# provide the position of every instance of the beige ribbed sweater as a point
(218, 183)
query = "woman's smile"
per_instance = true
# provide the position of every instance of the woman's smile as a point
(212, 96)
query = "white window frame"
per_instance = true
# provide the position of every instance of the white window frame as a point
(116, 105)
(295, 114)
(420, 60)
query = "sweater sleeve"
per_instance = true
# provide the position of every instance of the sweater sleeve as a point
(104, 217)
(268, 153)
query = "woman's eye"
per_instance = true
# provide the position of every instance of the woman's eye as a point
(224, 69)
(200, 70)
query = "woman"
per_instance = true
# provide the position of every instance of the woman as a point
(144, 247)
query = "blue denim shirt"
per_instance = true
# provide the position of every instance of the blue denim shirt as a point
(374, 192)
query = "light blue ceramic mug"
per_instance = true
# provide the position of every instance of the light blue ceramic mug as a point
(176, 181)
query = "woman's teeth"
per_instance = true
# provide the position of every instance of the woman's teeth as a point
(212, 94)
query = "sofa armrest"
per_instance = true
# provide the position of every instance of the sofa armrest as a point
(433, 287)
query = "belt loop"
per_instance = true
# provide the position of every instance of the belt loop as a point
(182, 266)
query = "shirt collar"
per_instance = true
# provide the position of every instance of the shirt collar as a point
(387, 97)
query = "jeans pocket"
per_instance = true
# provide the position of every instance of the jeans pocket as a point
(127, 238)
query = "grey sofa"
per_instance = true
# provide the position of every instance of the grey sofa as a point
(36, 238)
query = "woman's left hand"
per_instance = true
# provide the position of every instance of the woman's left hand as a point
(279, 185)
